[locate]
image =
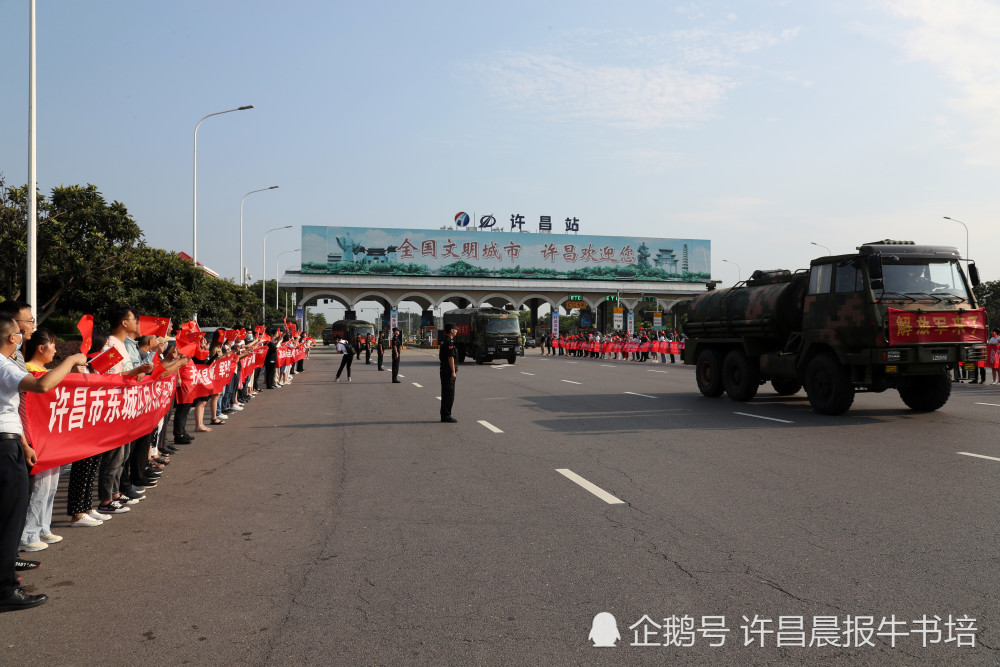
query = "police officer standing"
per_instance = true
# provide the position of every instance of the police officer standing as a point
(396, 346)
(447, 355)
(380, 348)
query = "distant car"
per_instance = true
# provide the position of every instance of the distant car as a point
(530, 342)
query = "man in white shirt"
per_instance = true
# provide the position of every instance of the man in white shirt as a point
(15, 456)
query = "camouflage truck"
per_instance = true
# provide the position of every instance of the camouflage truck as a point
(349, 329)
(485, 334)
(895, 315)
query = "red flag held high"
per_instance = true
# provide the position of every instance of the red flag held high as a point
(154, 326)
(86, 327)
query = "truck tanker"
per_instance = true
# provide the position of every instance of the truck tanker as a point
(895, 315)
(485, 334)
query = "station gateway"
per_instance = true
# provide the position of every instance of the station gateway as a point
(605, 275)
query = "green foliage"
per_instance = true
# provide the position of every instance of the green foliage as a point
(988, 296)
(317, 322)
(92, 256)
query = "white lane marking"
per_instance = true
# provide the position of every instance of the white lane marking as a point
(401, 375)
(994, 405)
(572, 362)
(438, 397)
(770, 419)
(523, 373)
(418, 385)
(632, 393)
(596, 490)
(648, 370)
(979, 456)
(490, 426)
(501, 366)
(609, 366)
(571, 382)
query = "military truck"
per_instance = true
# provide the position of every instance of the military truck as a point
(349, 329)
(485, 334)
(894, 315)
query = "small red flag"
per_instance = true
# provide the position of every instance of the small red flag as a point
(158, 368)
(86, 327)
(107, 359)
(188, 342)
(231, 334)
(201, 355)
(190, 326)
(153, 326)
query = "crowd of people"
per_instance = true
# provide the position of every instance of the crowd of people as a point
(641, 345)
(123, 468)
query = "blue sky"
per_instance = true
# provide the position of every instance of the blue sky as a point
(762, 126)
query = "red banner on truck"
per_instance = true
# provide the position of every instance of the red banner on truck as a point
(907, 326)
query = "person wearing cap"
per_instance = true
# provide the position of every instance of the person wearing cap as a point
(346, 360)
(447, 354)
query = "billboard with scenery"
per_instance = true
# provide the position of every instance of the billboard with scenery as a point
(458, 253)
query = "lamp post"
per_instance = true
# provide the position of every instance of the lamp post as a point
(194, 215)
(966, 241)
(285, 252)
(821, 246)
(243, 271)
(263, 273)
(31, 279)
(739, 274)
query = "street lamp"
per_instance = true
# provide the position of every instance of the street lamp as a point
(285, 252)
(739, 273)
(243, 271)
(821, 246)
(194, 225)
(263, 270)
(966, 241)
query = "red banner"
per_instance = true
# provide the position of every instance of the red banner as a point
(199, 380)
(619, 346)
(88, 414)
(935, 327)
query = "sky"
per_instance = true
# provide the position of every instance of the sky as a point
(764, 127)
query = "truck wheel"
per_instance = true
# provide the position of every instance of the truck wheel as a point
(828, 386)
(708, 370)
(461, 355)
(480, 360)
(511, 359)
(786, 387)
(740, 376)
(925, 393)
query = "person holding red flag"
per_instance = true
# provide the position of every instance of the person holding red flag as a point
(16, 457)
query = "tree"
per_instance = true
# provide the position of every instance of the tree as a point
(317, 322)
(83, 242)
(988, 296)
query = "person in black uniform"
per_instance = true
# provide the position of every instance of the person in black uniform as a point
(271, 362)
(396, 345)
(449, 367)
(380, 348)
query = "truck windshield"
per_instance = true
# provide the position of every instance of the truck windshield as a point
(932, 278)
(507, 325)
(364, 331)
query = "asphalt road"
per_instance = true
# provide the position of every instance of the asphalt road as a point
(343, 524)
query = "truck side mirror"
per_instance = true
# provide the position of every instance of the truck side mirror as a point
(973, 274)
(875, 271)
